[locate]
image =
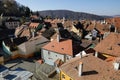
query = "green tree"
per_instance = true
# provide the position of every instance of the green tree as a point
(37, 13)
(22, 20)
(27, 12)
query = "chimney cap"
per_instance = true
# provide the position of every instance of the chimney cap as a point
(80, 62)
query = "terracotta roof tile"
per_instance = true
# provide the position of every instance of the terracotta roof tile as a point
(26, 33)
(62, 47)
(33, 25)
(101, 27)
(110, 45)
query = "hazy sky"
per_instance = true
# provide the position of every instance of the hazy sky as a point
(99, 7)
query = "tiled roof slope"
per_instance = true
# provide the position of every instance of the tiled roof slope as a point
(115, 21)
(110, 45)
(93, 69)
(34, 25)
(62, 47)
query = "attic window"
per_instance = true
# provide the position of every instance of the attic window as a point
(76, 67)
(62, 48)
(52, 45)
(110, 48)
(118, 44)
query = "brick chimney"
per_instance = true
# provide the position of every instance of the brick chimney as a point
(80, 69)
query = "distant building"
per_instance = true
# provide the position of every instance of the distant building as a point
(57, 49)
(94, 34)
(112, 28)
(115, 22)
(12, 23)
(28, 48)
(76, 30)
(10, 45)
(21, 47)
(35, 27)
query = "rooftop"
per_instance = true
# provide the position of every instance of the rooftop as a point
(62, 47)
(93, 69)
(110, 45)
(33, 25)
(115, 21)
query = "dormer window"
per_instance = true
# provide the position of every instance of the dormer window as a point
(52, 45)
(62, 48)
(118, 44)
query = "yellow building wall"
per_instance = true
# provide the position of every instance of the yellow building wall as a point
(75, 30)
(108, 57)
(66, 77)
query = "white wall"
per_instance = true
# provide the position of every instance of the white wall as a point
(51, 57)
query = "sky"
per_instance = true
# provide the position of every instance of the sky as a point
(99, 7)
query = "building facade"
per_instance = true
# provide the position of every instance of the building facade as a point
(57, 50)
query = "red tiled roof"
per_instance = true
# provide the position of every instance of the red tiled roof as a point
(98, 26)
(33, 25)
(115, 21)
(93, 69)
(110, 45)
(34, 16)
(62, 47)
(26, 32)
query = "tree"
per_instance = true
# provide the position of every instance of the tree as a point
(37, 13)
(22, 20)
(27, 12)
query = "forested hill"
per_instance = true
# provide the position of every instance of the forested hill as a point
(70, 15)
(12, 8)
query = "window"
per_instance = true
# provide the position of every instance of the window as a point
(48, 53)
(67, 57)
(49, 56)
(62, 48)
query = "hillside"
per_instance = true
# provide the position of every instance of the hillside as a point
(13, 8)
(70, 15)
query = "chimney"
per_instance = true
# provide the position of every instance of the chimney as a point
(80, 54)
(96, 54)
(94, 24)
(116, 65)
(80, 69)
(33, 34)
(58, 37)
(63, 20)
